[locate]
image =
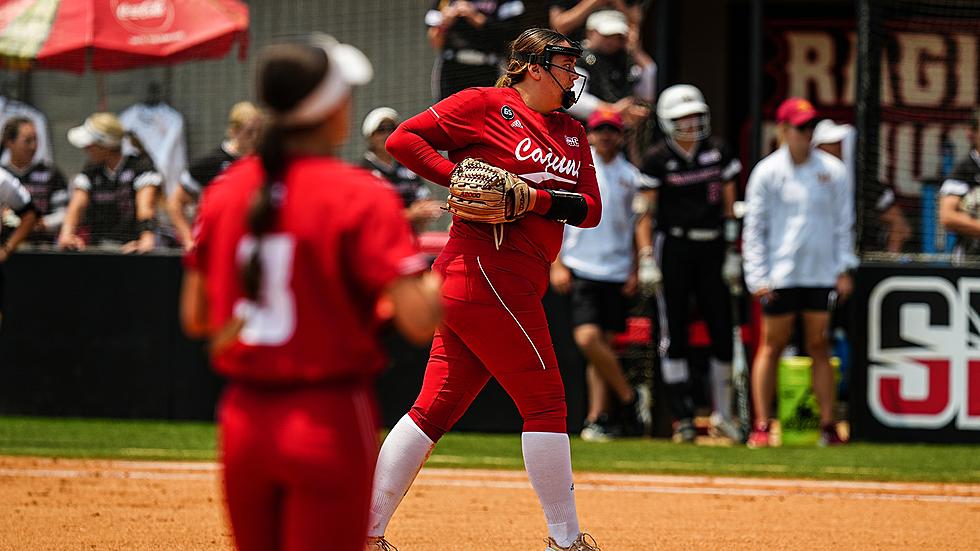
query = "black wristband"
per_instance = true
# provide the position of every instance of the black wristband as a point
(567, 207)
(149, 224)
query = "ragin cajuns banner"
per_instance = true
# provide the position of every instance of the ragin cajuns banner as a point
(929, 83)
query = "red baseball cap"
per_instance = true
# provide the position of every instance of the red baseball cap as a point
(796, 111)
(602, 117)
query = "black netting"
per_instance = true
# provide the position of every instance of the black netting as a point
(915, 105)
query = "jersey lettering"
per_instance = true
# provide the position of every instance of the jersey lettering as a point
(550, 161)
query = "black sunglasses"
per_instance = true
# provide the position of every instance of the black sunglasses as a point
(807, 126)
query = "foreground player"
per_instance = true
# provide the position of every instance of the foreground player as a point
(495, 275)
(294, 250)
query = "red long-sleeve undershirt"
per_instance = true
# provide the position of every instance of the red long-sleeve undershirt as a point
(416, 145)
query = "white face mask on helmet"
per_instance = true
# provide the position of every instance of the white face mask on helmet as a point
(677, 102)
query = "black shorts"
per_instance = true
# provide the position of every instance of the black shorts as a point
(600, 303)
(800, 299)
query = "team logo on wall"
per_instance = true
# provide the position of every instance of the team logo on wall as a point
(506, 112)
(924, 352)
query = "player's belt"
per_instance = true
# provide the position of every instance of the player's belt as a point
(694, 234)
(470, 57)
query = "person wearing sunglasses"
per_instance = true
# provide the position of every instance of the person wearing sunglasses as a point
(798, 249)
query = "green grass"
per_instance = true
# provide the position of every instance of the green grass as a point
(88, 438)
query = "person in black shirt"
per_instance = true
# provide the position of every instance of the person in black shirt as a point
(568, 16)
(244, 123)
(420, 209)
(692, 201)
(959, 203)
(45, 183)
(115, 192)
(471, 38)
(621, 75)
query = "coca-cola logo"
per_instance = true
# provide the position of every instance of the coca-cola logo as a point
(144, 16)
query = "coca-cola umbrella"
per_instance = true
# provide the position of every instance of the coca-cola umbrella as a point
(112, 35)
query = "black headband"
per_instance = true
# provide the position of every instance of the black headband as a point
(544, 59)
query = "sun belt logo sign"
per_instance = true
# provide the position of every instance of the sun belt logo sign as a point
(924, 368)
(142, 16)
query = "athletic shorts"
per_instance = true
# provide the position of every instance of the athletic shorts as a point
(599, 303)
(799, 299)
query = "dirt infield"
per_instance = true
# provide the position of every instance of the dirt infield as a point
(74, 504)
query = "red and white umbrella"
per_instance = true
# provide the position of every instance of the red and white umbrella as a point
(111, 35)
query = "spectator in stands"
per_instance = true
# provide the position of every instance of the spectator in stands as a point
(959, 203)
(44, 182)
(568, 16)
(471, 39)
(596, 266)
(15, 197)
(839, 141)
(115, 193)
(622, 77)
(420, 209)
(798, 249)
(244, 125)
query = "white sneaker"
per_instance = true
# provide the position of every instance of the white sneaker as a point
(584, 542)
(725, 427)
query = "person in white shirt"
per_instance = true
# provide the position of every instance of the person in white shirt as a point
(596, 267)
(797, 246)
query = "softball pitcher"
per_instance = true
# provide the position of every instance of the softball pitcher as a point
(496, 269)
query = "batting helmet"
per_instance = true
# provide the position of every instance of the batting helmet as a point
(677, 102)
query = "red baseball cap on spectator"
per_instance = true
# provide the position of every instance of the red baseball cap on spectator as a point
(796, 111)
(601, 117)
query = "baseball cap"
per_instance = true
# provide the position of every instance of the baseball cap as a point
(827, 131)
(99, 129)
(608, 23)
(348, 67)
(601, 117)
(377, 116)
(796, 111)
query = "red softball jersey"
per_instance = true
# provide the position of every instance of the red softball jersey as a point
(340, 238)
(549, 151)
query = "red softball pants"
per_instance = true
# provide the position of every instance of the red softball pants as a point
(298, 466)
(494, 325)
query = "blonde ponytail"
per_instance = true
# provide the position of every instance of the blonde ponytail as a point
(513, 75)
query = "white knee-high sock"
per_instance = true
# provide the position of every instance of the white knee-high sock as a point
(721, 387)
(548, 460)
(402, 455)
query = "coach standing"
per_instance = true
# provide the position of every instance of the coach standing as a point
(798, 248)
